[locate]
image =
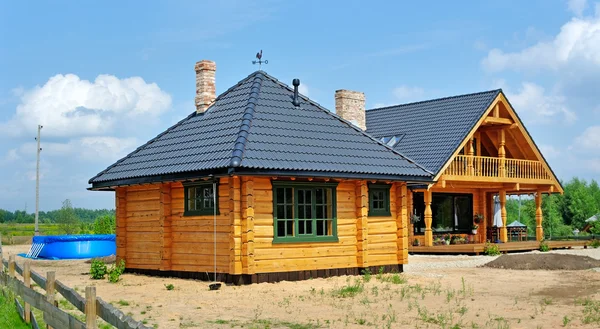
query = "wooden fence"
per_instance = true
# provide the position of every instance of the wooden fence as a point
(54, 317)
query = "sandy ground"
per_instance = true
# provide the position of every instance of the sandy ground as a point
(434, 292)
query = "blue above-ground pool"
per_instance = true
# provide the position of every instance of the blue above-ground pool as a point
(72, 246)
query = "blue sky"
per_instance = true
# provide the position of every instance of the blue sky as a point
(104, 77)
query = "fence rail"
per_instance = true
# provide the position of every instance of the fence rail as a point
(480, 166)
(54, 317)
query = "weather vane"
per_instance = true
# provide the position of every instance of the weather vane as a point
(260, 61)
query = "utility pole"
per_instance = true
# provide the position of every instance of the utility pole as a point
(37, 181)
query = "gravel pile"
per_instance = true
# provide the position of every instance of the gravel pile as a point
(419, 264)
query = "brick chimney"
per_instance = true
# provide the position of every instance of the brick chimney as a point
(350, 105)
(205, 84)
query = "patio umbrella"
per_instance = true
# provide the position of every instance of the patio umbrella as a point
(497, 212)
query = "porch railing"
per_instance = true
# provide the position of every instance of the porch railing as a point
(480, 166)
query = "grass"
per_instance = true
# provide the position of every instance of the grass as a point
(123, 302)
(260, 324)
(349, 290)
(9, 318)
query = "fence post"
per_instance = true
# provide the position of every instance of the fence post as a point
(11, 266)
(50, 278)
(90, 308)
(1, 255)
(27, 282)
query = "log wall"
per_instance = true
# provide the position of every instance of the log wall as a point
(153, 234)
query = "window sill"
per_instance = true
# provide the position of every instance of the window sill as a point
(379, 214)
(305, 239)
(188, 213)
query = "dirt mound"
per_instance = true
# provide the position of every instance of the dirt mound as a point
(544, 262)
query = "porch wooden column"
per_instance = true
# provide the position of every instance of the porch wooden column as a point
(428, 219)
(482, 210)
(501, 153)
(471, 153)
(539, 217)
(503, 232)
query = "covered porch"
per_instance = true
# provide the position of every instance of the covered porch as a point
(477, 248)
(462, 213)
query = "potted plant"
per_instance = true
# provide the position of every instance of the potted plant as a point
(416, 243)
(474, 228)
(478, 218)
(446, 239)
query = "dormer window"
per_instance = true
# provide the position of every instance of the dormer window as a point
(391, 141)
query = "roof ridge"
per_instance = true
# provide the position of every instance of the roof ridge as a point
(283, 85)
(247, 117)
(436, 99)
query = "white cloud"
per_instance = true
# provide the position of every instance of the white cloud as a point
(69, 106)
(589, 140)
(577, 6)
(406, 93)
(10, 156)
(577, 45)
(532, 102)
(304, 90)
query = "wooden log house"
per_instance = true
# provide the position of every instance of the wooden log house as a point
(261, 184)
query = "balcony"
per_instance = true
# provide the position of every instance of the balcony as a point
(480, 168)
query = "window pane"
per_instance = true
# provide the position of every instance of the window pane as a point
(289, 212)
(464, 212)
(320, 193)
(301, 212)
(443, 219)
(301, 227)
(281, 228)
(290, 227)
(280, 212)
(280, 195)
(289, 195)
(321, 227)
(320, 212)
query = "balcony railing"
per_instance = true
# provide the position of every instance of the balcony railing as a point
(479, 166)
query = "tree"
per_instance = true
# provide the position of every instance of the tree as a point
(579, 204)
(66, 219)
(104, 224)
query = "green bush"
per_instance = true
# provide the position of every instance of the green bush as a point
(491, 249)
(544, 246)
(98, 269)
(104, 224)
(115, 271)
(595, 243)
(169, 286)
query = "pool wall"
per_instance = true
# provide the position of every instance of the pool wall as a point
(74, 246)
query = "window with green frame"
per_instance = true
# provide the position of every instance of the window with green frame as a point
(304, 212)
(379, 200)
(200, 199)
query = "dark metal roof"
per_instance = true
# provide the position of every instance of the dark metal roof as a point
(432, 130)
(255, 126)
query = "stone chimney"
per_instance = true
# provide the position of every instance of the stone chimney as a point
(205, 84)
(350, 105)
